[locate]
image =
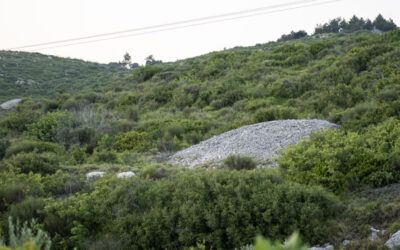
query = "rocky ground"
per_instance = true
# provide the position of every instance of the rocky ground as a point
(262, 141)
(9, 104)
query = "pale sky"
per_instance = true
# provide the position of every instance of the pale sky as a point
(26, 22)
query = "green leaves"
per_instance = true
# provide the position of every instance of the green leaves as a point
(226, 209)
(132, 141)
(341, 160)
(52, 127)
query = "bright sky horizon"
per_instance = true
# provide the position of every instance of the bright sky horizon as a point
(26, 22)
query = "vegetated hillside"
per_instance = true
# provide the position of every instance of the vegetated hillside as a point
(352, 79)
(35, 75)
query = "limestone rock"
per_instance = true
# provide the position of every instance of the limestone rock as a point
(127, 174)
(93, 175)
(11, 103)
(327, 246)
(394, 241)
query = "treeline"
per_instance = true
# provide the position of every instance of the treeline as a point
(380, 24)
(354, 24)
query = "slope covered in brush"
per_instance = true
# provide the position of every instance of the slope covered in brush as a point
(352, 79)
(36, 75)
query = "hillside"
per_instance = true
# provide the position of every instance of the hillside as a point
(36, 75)
(328, 188)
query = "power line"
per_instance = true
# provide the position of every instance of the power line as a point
(168, 24)
(186, 26)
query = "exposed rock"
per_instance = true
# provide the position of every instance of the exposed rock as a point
(11, 103)
(127, 174)
(327, 246)
(394, 241)
(93, 175)
(262, 141)
(345, 242)
(374, 234)
(19, 82)
(30, 82)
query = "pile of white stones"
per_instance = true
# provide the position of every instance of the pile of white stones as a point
(262, 141)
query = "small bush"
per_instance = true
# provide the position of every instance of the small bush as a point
(274, 113)
(26, 146)
(292, 243)
(341, 160)
(237, 162)
(132, 141)
(4, 144)
(27, 232)
(154, 171)
(27, 209)
(105, 156)
(45, 163)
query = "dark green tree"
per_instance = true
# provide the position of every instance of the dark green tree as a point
(385, 25)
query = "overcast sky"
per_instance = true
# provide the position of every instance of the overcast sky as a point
(25, 22)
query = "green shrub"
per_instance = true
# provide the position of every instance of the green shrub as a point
(223, 208)
(27, 209)
(4, 144)
(52, 127)
(44, 163)
(274, 113)
(27, 146)
(154, 171)
(19, 235)
(105, 156)
(78, 154)
(292, 243)
(132, 141)
(12, 193)
(18, 120)
(341, 160)
(237, 162)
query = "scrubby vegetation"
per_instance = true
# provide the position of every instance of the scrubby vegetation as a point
(128, 120)
(34, 75)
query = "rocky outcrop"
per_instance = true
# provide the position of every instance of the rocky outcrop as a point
(394, 241)
(262, 141)
(94, 175)
(325, 247)
(9, 104)
(127, 174)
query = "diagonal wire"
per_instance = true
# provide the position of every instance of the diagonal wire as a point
(186, 26)
(170, 24)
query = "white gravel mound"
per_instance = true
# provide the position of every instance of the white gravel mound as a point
(11, 103)
(262, 141)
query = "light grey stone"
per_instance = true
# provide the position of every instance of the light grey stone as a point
(394, 241)
(345, 242)
(94, 175)
(11, 103)
(127, 174)
(327, 246)
(374, 234)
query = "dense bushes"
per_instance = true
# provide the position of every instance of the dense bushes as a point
(274, 113)
(133, 141)
(53, 127)
(225, 209)
(4, 144)
(44, 163)
(26, 146)
(341, 160)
